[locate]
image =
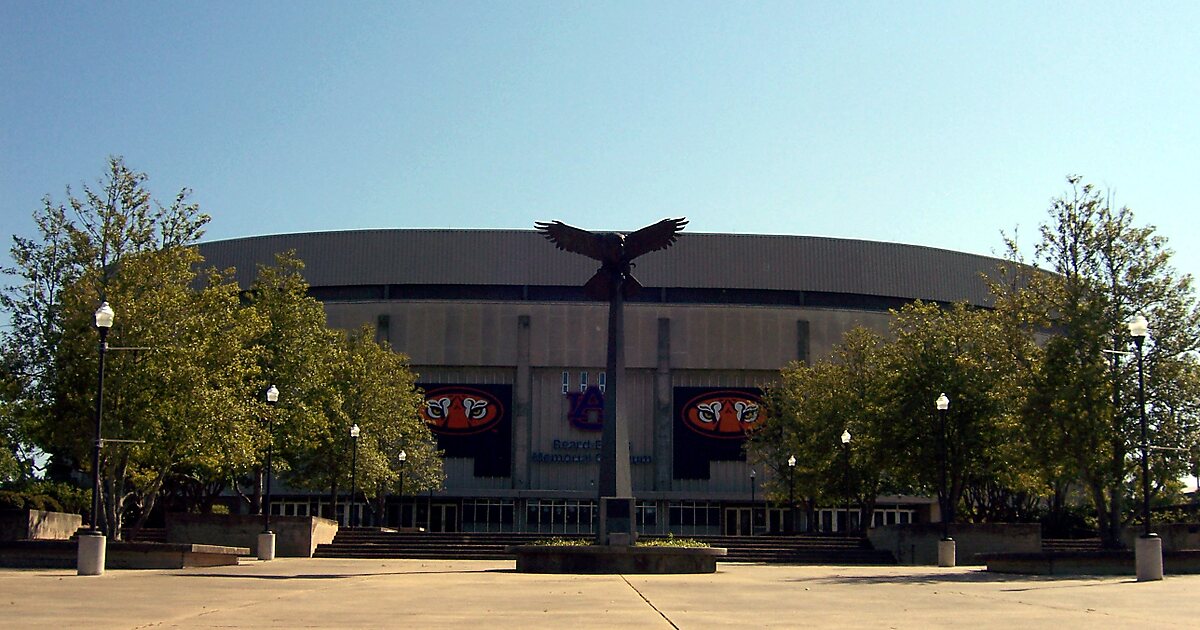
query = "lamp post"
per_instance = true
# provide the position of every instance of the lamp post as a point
(403, 457)
(92, 543)
(353, 475)
(792, 494)
(846, 448)
(753, 483)
(266, 540)
(1148, 551)
(946, 546)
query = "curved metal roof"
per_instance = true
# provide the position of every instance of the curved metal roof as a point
(523, 257)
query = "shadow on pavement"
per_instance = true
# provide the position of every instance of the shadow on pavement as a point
(977, 577)
(332, 576)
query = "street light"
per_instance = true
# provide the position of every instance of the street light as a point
(266, 540)
(946, 546)
(92, 545)
(403, 457)
(846, 448)
(753, 481)
(792, 493)
(353, 474)
(1148, 551)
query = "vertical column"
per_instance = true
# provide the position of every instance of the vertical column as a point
(802, 342)
(522, 408)
(663, 422)
(383, 329)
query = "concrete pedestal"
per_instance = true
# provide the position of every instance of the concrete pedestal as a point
(90, 558)
(1148, 552)
(266, 546)
(946, 552)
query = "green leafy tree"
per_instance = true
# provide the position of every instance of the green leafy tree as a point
(293, 352)
(175, 398)
(811, 406)
(329, 381)
(961, 352)
(1080, 415)
(381, 396)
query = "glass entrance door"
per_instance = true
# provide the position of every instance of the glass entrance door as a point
(737, 521)
(443, 517)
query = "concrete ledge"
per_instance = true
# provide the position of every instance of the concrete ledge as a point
(38, 525)
(295, 536)
(62, 554)
(592, 559)
(1109, 562)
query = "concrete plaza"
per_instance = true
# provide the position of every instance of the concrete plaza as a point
(335, 593)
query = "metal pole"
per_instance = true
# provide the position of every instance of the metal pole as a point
(1145, 440)
(267, 498)
(753, 485)
(847, 482)
(267, 472)
(945, 498)
(99, 440)
(400, 519)
(353, 483)
(792, 499)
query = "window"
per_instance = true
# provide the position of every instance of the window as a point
(566, 385)
(602, 382)
(583, 381)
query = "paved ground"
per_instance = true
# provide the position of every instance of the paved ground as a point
(335, 593)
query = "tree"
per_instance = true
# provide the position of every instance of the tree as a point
(175, 376)
(381, 396)
(1080, 415)
(330, 380)
(961, 352)
(811, 407)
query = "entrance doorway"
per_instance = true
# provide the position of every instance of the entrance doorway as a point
(738, 521)
(777, 520)
(443, 517)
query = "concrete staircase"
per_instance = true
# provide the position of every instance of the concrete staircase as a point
(801, 549)
(1070, 544)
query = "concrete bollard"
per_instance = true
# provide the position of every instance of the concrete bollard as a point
(266, 546)
(1148, 552)
(946, 552)
(90, 555)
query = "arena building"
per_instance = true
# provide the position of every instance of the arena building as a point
(511, 354)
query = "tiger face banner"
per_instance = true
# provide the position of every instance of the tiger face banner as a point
(472, 421)
(711, 424)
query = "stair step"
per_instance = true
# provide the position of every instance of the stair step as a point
(383, 544)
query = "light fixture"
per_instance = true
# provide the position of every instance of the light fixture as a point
(1138, 326)
(105, 315)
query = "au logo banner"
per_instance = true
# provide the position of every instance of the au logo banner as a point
(587, 409)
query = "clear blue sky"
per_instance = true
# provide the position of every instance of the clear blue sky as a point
(931, 123)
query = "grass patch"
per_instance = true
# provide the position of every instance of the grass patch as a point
(669, 541)
(672, 541)
(558, 541)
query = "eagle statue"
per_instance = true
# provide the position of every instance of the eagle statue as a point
(614, 250)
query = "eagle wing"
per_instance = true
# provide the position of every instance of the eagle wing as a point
(651, 238)
(572, 239)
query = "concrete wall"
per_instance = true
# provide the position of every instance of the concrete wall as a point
(917, 543)
(295, 536)
(38, 525)
(1175, 536)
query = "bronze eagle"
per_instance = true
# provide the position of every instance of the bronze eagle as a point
(614, 250)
